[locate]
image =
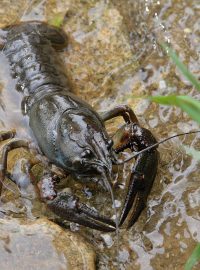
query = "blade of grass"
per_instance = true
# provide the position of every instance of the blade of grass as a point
(189, 76)
(188, 104)
(194, 258)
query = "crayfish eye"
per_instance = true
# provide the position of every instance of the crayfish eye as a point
(77, 162)
(86, 153)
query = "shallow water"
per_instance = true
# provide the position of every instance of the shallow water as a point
(113, 53)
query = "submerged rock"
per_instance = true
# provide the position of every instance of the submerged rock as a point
(42, 245)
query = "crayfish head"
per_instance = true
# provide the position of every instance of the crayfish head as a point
(95, 161)
(91, 168)
(84, 147)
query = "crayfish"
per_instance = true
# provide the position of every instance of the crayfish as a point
(69, 132)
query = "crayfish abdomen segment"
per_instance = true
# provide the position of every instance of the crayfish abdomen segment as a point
(29, 48)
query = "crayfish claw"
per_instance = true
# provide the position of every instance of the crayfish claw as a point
(137, 138)
(68, 206)
(136, 184)
(141, 181)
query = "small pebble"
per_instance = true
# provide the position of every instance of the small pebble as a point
(87, 192)
(153, 122)
(117, 204)
(107, 240)
(74, 227)
(142, 106)
(183, 245)
(67, 190)
(187, 30)
(162, 84)
(123, 256)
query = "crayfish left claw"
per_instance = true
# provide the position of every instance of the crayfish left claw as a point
(141, 181)
(143, 172)
(136, 185)
(68, 206)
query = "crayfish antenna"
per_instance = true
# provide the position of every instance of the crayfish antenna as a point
(107, 181)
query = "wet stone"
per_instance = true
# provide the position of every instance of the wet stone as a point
(113, 52)
(42, 245)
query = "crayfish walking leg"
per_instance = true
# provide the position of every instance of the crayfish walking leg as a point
(12, 144)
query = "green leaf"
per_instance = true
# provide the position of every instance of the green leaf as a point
(189, 76)
(165, 100)
(188, 104)
(57, 21)
(192, 152)
(194, 258)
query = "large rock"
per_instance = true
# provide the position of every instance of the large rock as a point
(42, 245)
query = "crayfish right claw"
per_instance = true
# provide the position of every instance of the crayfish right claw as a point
(68, 206)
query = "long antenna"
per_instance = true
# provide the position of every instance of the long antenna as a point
(154, 145)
